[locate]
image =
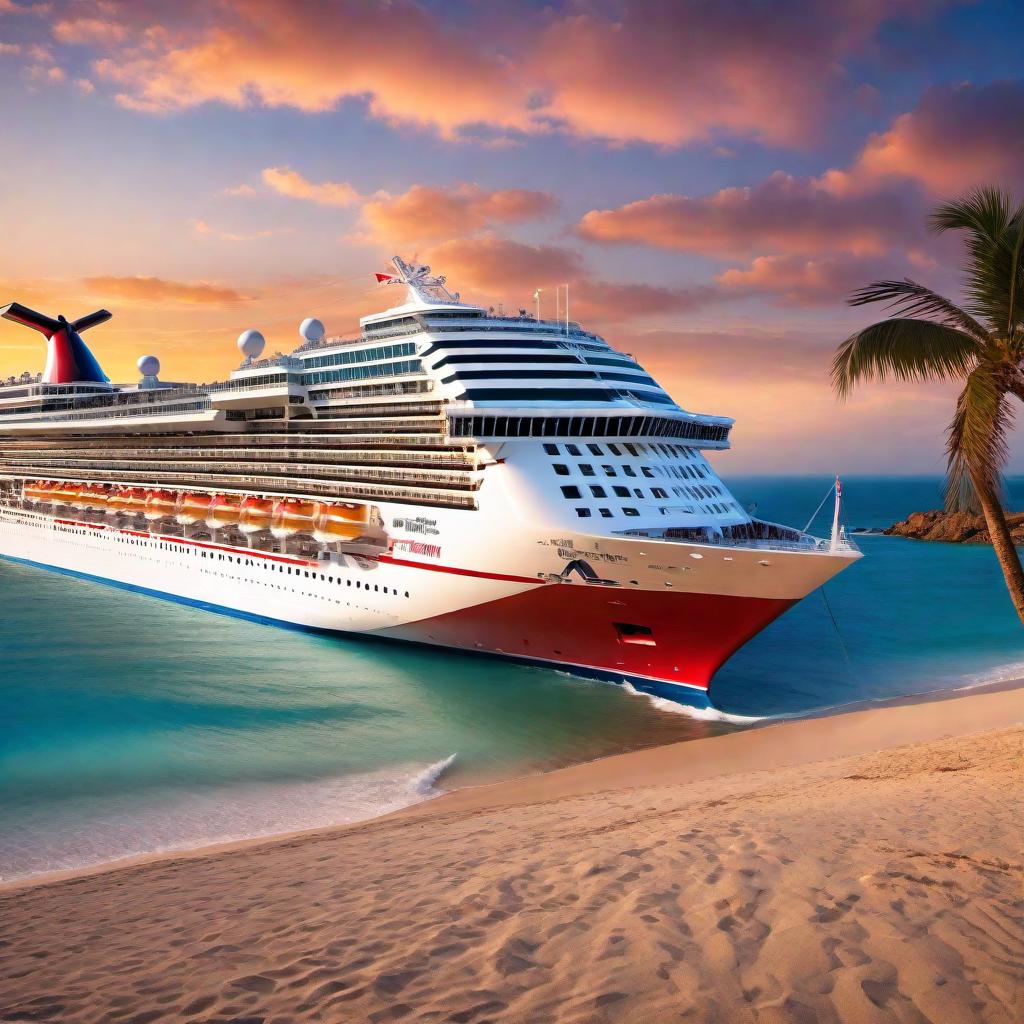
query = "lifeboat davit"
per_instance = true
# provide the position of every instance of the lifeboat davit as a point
(256, 514)
(159, 505)
(224, 510)
(340, 522)
(292, 516)
(191, 508)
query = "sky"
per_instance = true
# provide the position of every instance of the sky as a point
(711, 178)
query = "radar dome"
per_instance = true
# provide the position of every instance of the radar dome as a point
(251, 344)
(312, 329)
(149, 366)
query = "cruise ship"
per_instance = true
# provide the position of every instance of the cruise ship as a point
(452, 476)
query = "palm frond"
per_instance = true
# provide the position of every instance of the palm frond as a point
(976, 446)
(905, 349)
(907, 298)
(992, 221)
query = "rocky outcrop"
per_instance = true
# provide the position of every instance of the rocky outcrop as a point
(953, 527)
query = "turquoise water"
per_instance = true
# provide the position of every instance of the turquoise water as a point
(132, 724)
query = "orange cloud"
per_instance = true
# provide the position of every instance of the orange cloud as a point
(427, 212)
(498, 266)
(287, 182)
(88, 30)
(156, 290)
(655, 71)
(957, 137)
(781, 214)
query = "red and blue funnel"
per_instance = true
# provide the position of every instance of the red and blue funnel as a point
(68, 359)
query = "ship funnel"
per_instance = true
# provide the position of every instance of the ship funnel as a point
(68, 359)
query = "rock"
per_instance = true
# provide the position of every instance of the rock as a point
(953, 527)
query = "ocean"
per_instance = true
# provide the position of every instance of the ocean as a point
(131, 725)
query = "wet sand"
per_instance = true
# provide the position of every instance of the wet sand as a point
(862, 867)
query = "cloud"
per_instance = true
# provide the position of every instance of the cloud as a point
(201, 227)
(499, 266)
(958, 136)
(239, 191)
(157, 290)
(9, 7)
(654, 71)
(89, 30)
(9, 48)
(781, 214)
(83, 85)
(615, 302)
(427, 212)
(287, 182)
(52, 74)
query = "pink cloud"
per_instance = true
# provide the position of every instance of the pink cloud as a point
(287, 182)
(782, 213)
(426, 212)
(656, 71)
(156, 290)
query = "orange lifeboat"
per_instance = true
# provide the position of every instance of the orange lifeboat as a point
(64, 494)
(340, 522)
(224, 510)
(117, 501)
(37, 491)
(256, 515)
(159, 505)
(191, 508)
(135, 500)
(93, 496)
(292, 516)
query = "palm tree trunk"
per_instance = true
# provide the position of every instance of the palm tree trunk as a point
(1002, 542)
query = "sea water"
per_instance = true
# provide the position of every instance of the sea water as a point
(132, 725)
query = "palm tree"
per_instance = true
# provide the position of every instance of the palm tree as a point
(979, 343)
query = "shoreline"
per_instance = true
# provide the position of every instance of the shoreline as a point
(555, 783)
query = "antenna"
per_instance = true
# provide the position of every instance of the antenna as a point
(567, 310)
(536, 299)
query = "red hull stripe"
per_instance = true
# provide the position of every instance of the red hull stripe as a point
(459, 572)
(596, 627)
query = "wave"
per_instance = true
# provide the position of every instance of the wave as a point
(701, 714)
(121, 826)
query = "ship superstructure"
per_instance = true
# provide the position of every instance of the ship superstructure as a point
(499, 484)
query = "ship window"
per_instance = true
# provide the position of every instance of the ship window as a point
(586, 469)
(605, 512)
(551, 449)
(614, 449)
(571, 492)
(598, 491)
(647, 471)
(595, 449)
(560, 469)
(659, 492)
(583, 513)
(621, 492)
(638, 492)
(631, 512)
(572, 449)
(609, 470)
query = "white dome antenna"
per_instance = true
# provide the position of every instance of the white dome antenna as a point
(149, 367)
(312, 330)
(251, 344)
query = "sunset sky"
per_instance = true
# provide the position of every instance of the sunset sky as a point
(711, 178)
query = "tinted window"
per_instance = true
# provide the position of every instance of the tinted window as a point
(597, 492)
(551, 449)
(631, 512)
(586, 469)
(560, 469)
(583, 513)
(571, 492)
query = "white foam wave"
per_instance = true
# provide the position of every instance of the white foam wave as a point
(122, 827)
(701, 714)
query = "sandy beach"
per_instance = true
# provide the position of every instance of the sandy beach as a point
(862, 867)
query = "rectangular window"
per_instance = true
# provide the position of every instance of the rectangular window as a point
(597, 491)
(572, 449)
(647, 471)
(586, 469)
(571, 492)
(629, 471)
(551, 449)
(583, 513)
(560, 469)
(659, 492)
(605, 512)
(595, 449)
(630, 512)
(614, 449)
(621, 492)
(609, 470)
